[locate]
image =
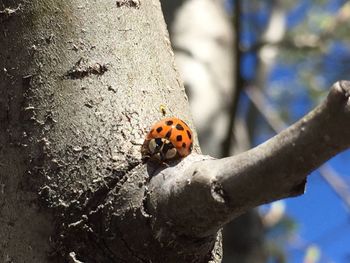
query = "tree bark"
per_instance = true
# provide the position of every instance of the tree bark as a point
(80, 84)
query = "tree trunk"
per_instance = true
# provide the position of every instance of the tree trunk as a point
(81, 82)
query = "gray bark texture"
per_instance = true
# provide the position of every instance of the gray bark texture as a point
(80, 83)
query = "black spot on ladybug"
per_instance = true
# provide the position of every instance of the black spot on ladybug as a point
(159, 129)
(168, 134)
(169, 123)
(183, 145)
(191, 145)
(179, 127)
(189, 134)
(179, 138)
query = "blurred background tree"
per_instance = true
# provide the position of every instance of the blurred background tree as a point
(250, 69)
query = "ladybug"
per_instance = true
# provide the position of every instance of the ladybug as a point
(169, 139)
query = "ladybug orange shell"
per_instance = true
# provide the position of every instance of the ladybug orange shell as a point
(168, 139)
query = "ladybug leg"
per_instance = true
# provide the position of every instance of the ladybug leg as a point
(165, 164)
(145, 158)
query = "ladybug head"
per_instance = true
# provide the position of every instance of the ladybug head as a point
(160, 149)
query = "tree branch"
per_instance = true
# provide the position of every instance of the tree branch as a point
(335, 182)
(238, 79)
(200, 195)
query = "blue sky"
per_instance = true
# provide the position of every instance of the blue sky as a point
(321, 216)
